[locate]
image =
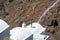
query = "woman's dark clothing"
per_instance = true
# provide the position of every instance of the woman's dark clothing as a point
(54, 23)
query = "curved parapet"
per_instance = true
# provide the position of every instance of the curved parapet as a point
(19, 33)
(36, 28)
(3, 25)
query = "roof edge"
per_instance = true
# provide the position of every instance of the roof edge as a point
(4, 29)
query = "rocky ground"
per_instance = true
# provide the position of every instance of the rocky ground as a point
(54, 12)
(29, 11)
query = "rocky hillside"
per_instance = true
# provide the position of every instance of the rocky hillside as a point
(14, 12)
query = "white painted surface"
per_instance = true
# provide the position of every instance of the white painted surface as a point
(36, 28)
(3, 25)
(40, 37)
(19, 33)
(23, 25)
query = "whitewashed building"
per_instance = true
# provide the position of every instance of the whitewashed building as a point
(19, 33)
(4, 29)
(32, 31)
(36, 28)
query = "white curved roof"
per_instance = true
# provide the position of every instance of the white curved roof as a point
(36, 28)
(19, 33)
(41, 37)
(3, 25)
